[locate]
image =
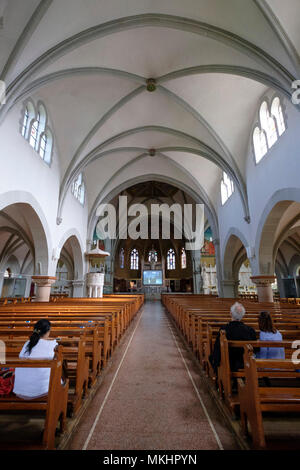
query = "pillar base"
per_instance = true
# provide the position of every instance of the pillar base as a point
(263, 286)
(43, 284)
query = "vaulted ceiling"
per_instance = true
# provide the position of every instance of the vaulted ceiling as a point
(90, 62)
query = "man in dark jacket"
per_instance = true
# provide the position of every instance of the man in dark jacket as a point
(235, 330)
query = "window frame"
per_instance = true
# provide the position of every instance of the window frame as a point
(229, 188)
(78, 189)
(171, 266)
(134, 259)
(183, 257)
(270, 102)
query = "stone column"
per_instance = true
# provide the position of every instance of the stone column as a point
(230, 288)
(197, 280)
(1, 282)
(78, 288)
(43, 284)
(109, 275)
(264, 289)
(219, 274)
(28, 286)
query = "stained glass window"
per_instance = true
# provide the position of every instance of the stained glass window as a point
(171, 260)
(183, 258)
(134, 259)
(122, 258)
(152, 256)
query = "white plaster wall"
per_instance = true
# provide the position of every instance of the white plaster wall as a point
(278, 170)
(23, 171)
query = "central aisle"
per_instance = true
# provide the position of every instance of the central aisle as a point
(152, 397)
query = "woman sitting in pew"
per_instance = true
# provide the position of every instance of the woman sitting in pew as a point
(33, 383)
(269, 333)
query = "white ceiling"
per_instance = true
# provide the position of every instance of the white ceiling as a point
(208, 107)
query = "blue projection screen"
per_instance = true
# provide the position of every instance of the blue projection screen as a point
(152, 278)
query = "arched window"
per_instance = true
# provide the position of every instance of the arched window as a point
(43, 146)
(35, 133)
(35, 130)
(171, 260)
(152, 256)
(7, 273)
(25, 124)
(42, 118)
(122, 258)
(46, 146)
(134, 259)
(268, 124)
(227, 188)
(183, 258)
(29, 115)
(260, 144)
(276, 111)
(78, 189)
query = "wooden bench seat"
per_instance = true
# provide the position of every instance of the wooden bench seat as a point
(76, 366)
(226, 375)
(256, 400)
(54, 405)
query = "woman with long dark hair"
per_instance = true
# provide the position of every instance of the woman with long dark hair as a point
(269, 333)
(34, 382)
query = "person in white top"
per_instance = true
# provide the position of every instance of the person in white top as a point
(32, 383)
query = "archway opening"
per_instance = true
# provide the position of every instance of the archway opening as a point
(279, 249)
(155, 263)
(69, 268)
(23, 248)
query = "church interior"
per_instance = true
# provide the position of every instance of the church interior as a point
(171, 104)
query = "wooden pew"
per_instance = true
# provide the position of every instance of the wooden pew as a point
(226, 376)
(87, 332)
(96, 339)
(76, 366)
(54, 404)
(256, 400)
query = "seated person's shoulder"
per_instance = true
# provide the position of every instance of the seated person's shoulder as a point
(251, 331)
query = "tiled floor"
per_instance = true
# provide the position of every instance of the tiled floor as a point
(147, 399)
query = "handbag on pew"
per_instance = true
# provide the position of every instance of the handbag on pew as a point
(7, 379)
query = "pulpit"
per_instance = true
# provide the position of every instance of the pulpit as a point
(95, 276)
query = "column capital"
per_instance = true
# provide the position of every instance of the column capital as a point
(44, 284)
(263, 280)
(44, 281)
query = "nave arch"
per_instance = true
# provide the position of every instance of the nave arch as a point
(70, 265)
